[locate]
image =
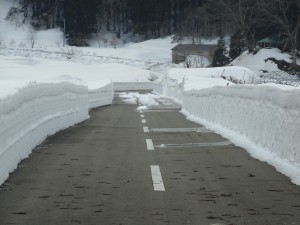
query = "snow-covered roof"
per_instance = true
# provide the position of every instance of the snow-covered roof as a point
(193, 47)
(267, 41)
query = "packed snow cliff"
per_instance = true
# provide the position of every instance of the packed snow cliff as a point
(264, 119)
(29, 112)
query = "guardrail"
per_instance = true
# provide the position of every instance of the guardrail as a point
(280, 77)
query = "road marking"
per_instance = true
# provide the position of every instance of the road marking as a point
(157, 180)
(146, 129)
(142, 116)
(160, 110)
(150, 145)
(209, 144)
(144, 121)
(181, 130)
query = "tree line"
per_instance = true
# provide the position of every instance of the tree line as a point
(246, 20)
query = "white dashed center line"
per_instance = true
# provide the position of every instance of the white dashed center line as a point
(142, 116)
(146, 129)
(150, 145)
(144, 121)
(157, 180)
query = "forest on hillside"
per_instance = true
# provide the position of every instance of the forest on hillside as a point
(246, 20)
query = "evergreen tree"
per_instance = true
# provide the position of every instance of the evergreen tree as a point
(220, 58)
(237, 45)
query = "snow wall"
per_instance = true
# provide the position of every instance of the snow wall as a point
(262, 119)
(101, 96)
(38, 110)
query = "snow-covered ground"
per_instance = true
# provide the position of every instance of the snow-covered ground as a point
(47, 88)
(28, 68)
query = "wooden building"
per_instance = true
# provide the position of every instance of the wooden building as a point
(180, 51)
(267, 43)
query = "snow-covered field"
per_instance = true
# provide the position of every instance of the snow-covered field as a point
(48, 88)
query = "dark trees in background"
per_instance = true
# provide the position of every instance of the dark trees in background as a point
(245, 20)
(237, 45)
(151, 18)
(80, 20)
(241, 14)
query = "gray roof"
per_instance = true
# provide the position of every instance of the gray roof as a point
(193, 47)
(267, 41)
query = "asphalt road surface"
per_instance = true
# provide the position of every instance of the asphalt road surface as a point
(125, 167)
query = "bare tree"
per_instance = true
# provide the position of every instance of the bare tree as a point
(195, 61)
(114, 41)
(2, 43)
(279, 12)
(242, 14)
(70, 52)
(17, 15)
(31, 37)
(100, 37)
(153, 76)
(192, 26)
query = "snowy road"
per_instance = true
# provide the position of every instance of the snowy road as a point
(143, 168)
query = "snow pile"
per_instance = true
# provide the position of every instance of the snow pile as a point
(148, 99)
(180, 79)
(31, 113)
(30, 68)
(100, 93)
(231, 72)
(263, 119)
(258, 63)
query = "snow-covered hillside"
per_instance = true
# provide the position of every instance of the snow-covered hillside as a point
(258, 62)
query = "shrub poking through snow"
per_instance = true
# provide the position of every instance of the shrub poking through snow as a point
(31, 37)
(196, 61)
(153, 76)
(70, 52)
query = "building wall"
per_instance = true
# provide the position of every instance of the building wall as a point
(178, 56)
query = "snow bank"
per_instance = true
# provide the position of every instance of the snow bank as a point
(100, 93)
(29, 112)
(33, 113)
(230, 72)
(264, 120)
(27, 68)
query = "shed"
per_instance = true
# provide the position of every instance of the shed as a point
(180, 51)
(267, 43)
